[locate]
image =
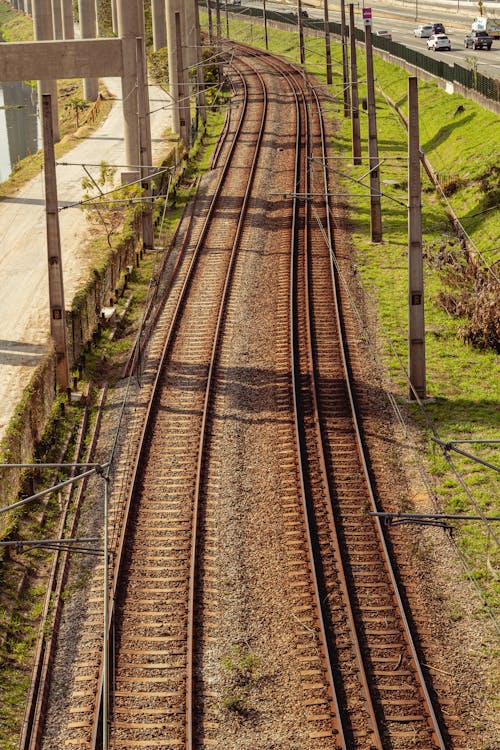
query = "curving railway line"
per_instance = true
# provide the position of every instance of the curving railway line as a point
(247, 531)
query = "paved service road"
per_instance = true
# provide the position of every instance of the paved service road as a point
(24, 318)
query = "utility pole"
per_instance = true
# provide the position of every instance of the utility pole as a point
(355, 124)
(179, 88)
(200, 70)
(328, 49)
(265, 23)
(210, 22)
(416, 321)
(345, 62)
(56, 285)
(218, 21)
(301, 32)
(375, 206)
(145, 155)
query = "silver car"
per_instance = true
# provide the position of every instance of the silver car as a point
(425, 30)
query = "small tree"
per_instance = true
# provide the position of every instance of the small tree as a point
(77, 105)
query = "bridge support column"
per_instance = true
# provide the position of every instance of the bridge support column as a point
(43, 30)
(129, 29)
(57, 19)
(88, 30)
(159, 24)
(68, 25)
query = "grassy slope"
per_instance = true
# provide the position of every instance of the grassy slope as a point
(462, 381)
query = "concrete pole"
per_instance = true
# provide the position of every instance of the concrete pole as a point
(57, 19)
(190, 34)
(210, 23)
(56, 286)
(67, 15)
(328, 48)
(416, 322)
(129, 30)
(345, 61)
(375, 207)
(88, 30)
(159, 24)
(43, 30)
(218, 21)
(301, 32)
(264, 13)
(200, 76)
(355, 125)
(145, 152)
(178, 77)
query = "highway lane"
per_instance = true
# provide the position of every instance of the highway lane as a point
(401, 22)
(24, 318)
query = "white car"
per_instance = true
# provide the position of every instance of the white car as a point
(384, 32)
(425, 30)
(438, 41)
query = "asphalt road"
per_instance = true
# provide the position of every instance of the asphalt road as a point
(400, 20)
(24, 318)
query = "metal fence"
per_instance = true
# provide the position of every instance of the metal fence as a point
(468, 78)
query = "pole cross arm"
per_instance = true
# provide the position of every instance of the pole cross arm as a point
(70, 58)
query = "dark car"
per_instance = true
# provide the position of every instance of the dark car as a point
(478, 40)
(438, 28)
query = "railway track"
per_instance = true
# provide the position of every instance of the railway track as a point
(246, 365)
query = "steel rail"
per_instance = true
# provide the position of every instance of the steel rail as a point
(428, 705)
(296, 375)
(320, 442)
(190, 688)
(119, 556)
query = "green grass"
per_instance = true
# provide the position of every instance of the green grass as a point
(462, 381)
(14, 26)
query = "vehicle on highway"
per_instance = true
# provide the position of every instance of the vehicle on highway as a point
(488, 24)
(424, 30)
(438, 42)
(438, 28)
(478, 40)
(383, 32)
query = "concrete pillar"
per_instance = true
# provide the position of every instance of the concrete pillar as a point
(57, 19)
(114, 16)
(145, 150)
(67, 16)
(55, 270)
(88, 30)
(129, 29)
(159, 24)
(190, 34)
(43, 30)
(177, 70)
